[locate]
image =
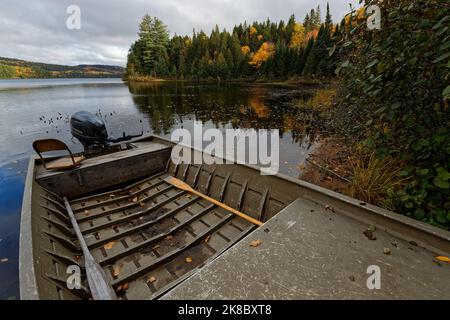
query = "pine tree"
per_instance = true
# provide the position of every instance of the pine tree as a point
(328, 18)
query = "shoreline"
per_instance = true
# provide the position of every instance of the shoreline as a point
(295, 81)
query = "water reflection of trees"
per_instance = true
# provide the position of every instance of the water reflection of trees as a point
(238, 106)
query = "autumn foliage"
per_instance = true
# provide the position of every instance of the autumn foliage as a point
(259, 50)
(264, 52)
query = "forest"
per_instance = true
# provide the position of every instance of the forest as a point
(21, 69)
(260, 50)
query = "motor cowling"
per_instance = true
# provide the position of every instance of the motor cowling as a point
(89, 129)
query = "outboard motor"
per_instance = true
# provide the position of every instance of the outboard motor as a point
(89, 129)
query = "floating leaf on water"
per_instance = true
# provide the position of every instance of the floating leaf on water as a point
(255, 243)
(109, 245)
(443, 259)
(188, 260)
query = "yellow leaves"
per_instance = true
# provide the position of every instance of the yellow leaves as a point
(266, 50)
(245, 50)
(443, 259)
(299, 36)
(188, 260)
(255, 243)
(252, 31)
(109, 245)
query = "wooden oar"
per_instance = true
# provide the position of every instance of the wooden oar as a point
(100, 288)
(184, 186)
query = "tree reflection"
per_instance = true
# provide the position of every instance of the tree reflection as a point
(238, 106)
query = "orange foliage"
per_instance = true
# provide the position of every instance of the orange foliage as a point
(312, 34)
(266, 50)
(245, 50)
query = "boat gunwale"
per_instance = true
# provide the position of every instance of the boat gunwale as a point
(27, 274)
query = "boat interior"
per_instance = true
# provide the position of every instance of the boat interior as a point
(149, 236)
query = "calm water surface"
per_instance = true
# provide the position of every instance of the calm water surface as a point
(33, 109)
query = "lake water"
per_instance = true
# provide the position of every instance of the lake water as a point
(33, 109)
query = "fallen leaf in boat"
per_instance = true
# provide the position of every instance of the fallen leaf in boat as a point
(330, 208)
(109, 245)
(369, 235)
(387, 251)
(151, 280)
(135, 199)
(207, 239)
(372, 228)
(255, 243)
(188, 260)
(156, 247)
(4, 260)
(77, 258)
(125, 286)
(169, 238)
(86, 212)
(443, 259)
(142, 204)
(117, 270)
(111, 196)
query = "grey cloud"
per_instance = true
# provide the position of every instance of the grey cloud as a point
(36, 30)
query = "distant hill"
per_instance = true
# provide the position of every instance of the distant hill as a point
(17, 69)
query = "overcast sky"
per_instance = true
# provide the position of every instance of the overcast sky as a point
(36, 30)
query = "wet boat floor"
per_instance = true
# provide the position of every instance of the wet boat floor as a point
(151, 236)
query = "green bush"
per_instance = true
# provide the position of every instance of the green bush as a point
(397, 92)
